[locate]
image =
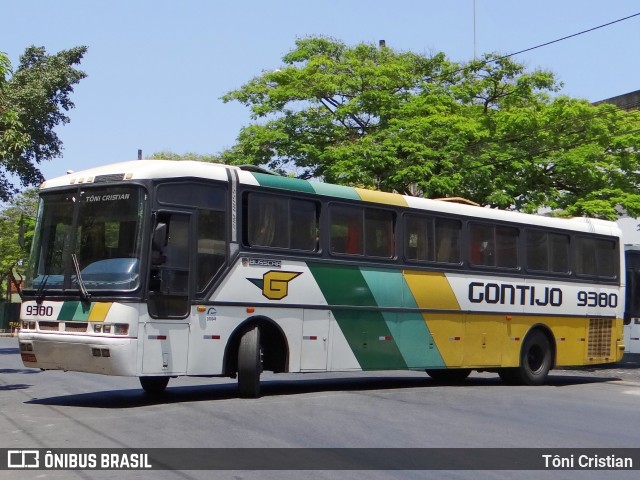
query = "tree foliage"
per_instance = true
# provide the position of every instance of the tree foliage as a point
(488, 130)
(167, 155)
(17, 218)
(33, 101)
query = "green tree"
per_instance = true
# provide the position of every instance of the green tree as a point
(12, 137)
(167, 155)
(17, 219)
(33, 101)
(488, 130)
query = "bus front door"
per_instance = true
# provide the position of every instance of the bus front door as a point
(166, 334)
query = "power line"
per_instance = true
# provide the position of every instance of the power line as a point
(570, 36)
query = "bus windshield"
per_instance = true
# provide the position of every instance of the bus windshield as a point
(100, 228)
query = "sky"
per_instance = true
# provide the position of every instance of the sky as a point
(157, 68)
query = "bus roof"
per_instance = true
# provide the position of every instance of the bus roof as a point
(158, 169)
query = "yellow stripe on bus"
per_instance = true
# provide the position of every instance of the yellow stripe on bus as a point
(477, 340)
(99, 311)
(381, 197)
(431, 290)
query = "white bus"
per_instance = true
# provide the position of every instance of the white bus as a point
(632, 306)
(158, 269)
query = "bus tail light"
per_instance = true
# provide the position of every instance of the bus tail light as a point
(28, 357)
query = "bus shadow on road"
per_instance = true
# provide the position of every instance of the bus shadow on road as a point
(135, 398)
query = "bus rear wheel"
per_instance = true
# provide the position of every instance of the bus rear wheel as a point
(449, 375)
(154, 385)
(249, 364)
(535, 360)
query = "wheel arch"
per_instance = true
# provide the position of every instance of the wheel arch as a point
(272, 339)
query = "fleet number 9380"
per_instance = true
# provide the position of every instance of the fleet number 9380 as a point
(38, 310)
(597, 299)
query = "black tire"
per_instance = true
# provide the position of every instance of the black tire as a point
(449, 375)
(154, 385)
(249, 364)
(535, 359)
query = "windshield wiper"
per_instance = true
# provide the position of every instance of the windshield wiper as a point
(40, 292)
(86, 296)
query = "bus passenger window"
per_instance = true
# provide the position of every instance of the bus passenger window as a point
(281, 222)
(378, 233)
(303, 222)
(547, 252)
(346, 229)
(596, 257)
(558, 253)
(447, 241)
(494, 246)
(268, 225)
(211, 246)
(419, 244)
(506, 247)
(482, 247)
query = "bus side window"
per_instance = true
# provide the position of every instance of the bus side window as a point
(419, 238)
(346, 229)
(482, 247)
(595, 257)
(447, 240)
(506, 247)
(378, 233)
(268, 226)
(211, 246)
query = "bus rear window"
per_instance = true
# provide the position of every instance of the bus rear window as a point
(596, 257)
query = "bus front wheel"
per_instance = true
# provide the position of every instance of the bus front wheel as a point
(249, 364)
(154, 385)
(535, 359)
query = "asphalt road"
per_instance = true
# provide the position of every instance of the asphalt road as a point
(580, 408)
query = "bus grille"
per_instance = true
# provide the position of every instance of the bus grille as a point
(50, 326)
(75, 327)
(600, 331)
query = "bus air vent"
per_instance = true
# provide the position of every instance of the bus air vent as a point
(75, 326)
(600, 331)
(50, 326)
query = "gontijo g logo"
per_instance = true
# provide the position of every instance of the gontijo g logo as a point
(274, 283)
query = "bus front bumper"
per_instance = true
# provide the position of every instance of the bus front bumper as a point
(106, 356)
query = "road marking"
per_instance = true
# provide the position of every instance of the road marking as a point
(632, 392)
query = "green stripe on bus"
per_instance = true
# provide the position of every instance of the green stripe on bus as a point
(298, 185)
(284, 183)
(74, 311)
(366, 331)
(408, 329)
(339, 191)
